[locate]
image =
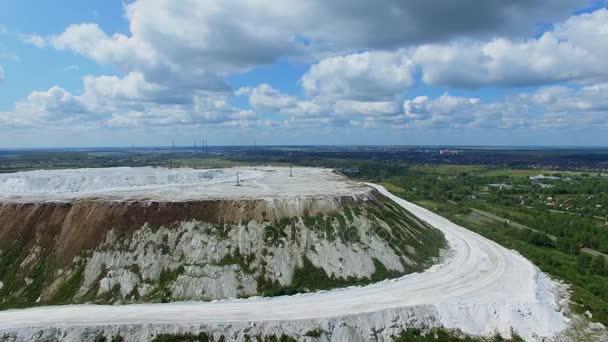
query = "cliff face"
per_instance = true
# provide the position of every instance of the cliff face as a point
(69, 228)
(111, 251)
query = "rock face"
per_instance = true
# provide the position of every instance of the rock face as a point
(104, 251)
(377, 326)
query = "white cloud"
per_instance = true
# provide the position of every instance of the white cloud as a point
(34, 39)
(445, 109)
(69, 68)
(188, 43)
(174, 61)
(90, 41)
(559, 99)
(129, 101)
(366, 108)
(53, 105)
(363, 76)
(546, 108)
(264, 97)
(575, 50)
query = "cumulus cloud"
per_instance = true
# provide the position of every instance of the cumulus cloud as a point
(360, 76)
(91, 41)
(394, 23)
(174, 61)
(560, 99)
(366, 108)
(575, 50)
(129, 101)
(265, 97)
(53, 105)
(548, 107)
(445, 109)
(204, 38)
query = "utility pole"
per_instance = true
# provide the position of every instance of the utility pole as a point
(238, 183)
(195, 148)
(290, 171)
(172, 152)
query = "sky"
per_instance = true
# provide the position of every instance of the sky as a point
(82, 73)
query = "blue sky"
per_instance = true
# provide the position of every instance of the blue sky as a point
(113, 73)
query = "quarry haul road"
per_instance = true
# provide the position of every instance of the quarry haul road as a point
(479, 287)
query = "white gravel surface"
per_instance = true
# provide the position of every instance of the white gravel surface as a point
(162, 184)
(480, 288)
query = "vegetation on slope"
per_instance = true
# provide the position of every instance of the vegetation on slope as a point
(32, 274)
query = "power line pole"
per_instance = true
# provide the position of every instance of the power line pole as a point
(238, 183)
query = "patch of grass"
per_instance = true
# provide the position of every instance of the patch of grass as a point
(309, 278)
(65, 293)
(235, 258)
(39, 274)
(348, 213)
(186, 337)
(117, 338)
(442, 335)
(274, 234)
(162, 292)
(10, 259)
(316, 333)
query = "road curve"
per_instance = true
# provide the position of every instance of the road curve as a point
(480, 287)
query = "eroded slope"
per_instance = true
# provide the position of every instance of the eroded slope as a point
(141, 251)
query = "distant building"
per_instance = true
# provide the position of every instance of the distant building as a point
(543, 177)
(447, 152)
(500, 186)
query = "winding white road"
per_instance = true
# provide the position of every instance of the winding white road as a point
(479, 288)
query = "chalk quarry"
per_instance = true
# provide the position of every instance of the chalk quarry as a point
(187, 250)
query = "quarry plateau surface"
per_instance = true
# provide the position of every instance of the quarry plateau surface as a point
(162, 184)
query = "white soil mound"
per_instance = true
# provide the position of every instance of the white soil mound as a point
(480, 288)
